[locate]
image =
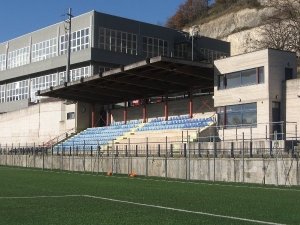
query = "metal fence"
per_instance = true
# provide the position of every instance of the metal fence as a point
(190, 163)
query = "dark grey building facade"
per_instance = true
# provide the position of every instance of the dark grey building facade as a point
(99, 42)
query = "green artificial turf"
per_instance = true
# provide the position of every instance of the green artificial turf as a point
(57, 197)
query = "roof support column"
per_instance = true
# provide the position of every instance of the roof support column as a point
(108, 122)
(144, 110)
(125, 112)
(166, 107)
(93, 115)
(191, 102)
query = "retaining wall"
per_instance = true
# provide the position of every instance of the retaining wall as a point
(281, 171)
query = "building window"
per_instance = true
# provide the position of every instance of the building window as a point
(103, 69)
(117, 41)
(79, 41)
(180, 51)
(75, 74)
(2, 62)
(241, 78)
(238, 115)
(41, 83)
(288, 73)
(70, 115)
(154, 47)
(206, 55)
(18, 57)
(210, 55)
(2, 93)
(44, 50)
(17, 91)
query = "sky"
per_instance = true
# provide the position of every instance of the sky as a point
(19, 17)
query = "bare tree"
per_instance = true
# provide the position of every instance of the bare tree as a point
(281, 29)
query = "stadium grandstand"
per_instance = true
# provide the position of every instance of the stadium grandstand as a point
(135, 90)
(134, 85)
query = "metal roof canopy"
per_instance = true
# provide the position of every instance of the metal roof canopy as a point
(152, 77)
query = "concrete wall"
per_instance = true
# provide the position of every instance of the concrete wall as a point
(36, 124)
(291, 100)
(258, 170)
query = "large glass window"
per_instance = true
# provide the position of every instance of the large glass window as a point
(2, 93)
(180, 51)
(41, 83)
(241, 78)
(233, 80)
(154, 47)
(75, 74)
(79, 40)
(18, 57)
(211, 55)
(17, 91)
(44, 50)
(117, 41)
(2, 62)
(238, 115)
(248, 77)
(104, 69)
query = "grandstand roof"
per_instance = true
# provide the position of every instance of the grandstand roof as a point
(149, 78)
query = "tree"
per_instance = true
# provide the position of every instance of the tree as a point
(186, 13)
(281, 29)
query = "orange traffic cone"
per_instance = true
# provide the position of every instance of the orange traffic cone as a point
(132, 175)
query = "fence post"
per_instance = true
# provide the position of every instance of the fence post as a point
(146, 156)
(215, 155)
(84, 156)
(231, 150)
(91, 159)
(189, 158)
(293, 149)
(136, 150)
(34, 154)
(243, 155)
(276, 157)
(199, 149)
(282, 133)
(296, 131)
(184, 150)
(251, 150)
(166, 145)
(171, 150)
(43, 153)
(158, 150)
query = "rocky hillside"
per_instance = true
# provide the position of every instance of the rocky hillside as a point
(238, 28)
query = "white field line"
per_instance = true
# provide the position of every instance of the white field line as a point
(169, 181)
(148, 205)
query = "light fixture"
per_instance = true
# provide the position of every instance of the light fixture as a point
(193, 28)
(239, 99)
